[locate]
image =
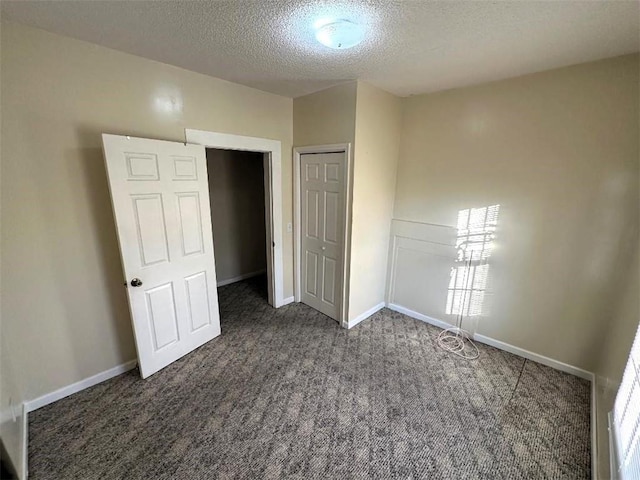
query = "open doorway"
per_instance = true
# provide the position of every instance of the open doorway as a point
(238, 211)
(272, 168)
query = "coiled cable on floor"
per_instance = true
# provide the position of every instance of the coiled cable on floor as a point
(458, 341)
(454, 339)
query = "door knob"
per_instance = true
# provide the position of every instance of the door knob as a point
(324, 248)
(136, 282)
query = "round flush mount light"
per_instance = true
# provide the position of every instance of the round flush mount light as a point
(340, 34)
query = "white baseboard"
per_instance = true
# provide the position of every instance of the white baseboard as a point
(418, 316)
(287, 301)
(550, 362)
(521, 352)
(366, 315)
(23, 469)
(594, 429)
(239, 278)
(63, 392)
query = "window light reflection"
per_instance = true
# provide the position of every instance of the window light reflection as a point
(474, 243)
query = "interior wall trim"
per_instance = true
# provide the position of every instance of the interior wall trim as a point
(367, 314)
(521, 352)
(17, 461)
(23, 469)
(273, 196)
(427, 238)
(613, 458)
(288, 300)
(594, 429)
(418, 316)
(63, 392)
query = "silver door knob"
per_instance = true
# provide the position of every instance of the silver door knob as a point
(136, 282)
(324, 248)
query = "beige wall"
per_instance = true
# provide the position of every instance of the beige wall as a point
(369, 119)
(236, 193)
(325, 117)
(64, 310)
(377, 142)
(558, 151)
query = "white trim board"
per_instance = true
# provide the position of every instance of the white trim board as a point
(239, 278)
(297, 215)
(24, 466)
(594, 429)
(418, 316)
(578, 372)
(16, 416)
(367, 314)
(613, 448)
(521, 352)
(288, 300)
(434, 239)
(63, 392)
(273, 196)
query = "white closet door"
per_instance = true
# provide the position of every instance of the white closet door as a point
(160, 197)
(322, 189)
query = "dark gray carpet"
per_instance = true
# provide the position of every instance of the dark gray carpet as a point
(289, 394)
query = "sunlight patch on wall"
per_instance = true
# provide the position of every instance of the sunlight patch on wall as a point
(474, 244)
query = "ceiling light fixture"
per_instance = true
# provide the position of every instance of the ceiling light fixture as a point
(340, 34)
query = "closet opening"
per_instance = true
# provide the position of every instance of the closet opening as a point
(239, 218)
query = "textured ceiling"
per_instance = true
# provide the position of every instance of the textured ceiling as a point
(412, 46)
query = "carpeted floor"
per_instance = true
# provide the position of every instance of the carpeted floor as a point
(287, 393)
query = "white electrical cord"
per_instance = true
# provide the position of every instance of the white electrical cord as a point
(457, 341)
(454, 339)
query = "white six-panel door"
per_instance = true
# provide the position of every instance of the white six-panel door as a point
(322, 188)
(160, 197)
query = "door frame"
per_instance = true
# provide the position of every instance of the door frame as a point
(272, 150)
(347, 213)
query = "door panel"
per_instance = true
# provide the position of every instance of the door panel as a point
(323, 186)
(161, 311)
(185, 168)
(151, 230)
(331, 217)
(312, 170)
(313, 210)
(196, 287)
(332, 172)
(311, 284)
(142, 166)
(329, 284)
(190, 223)
(160, 197)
